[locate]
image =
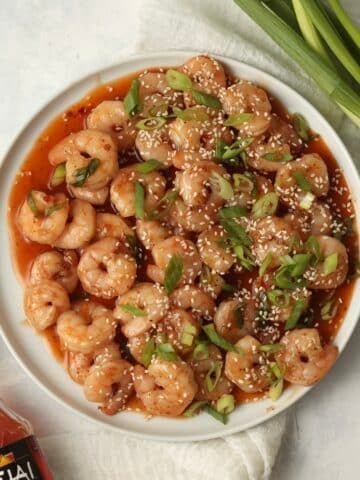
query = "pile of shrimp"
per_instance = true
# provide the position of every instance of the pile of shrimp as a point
(151, 297)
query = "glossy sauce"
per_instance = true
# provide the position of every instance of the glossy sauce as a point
(36, 170)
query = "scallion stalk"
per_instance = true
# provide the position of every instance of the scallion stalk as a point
(345, 21)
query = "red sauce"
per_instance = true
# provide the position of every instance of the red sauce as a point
(36, 171)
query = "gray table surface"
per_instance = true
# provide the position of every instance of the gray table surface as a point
(37, 48)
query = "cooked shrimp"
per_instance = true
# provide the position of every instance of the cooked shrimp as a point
(244, 97)
(210, 282)
(136, 345)
(106, 269)
(77, 150)
(195, 219)
(60, 267)
(214, 251)
(210, 388)
(194, 299)
(271, 236)
(44, 302)
(316, 277)
(166, 388)
(155, 144)
(185, 135)
(181, 329)
(233, 320)
(248, 370)
(111, 225)
(303, 359)
(110, 117)
(317, 220)
(313, 170)
(95, 197)
(185, 250)
(42, 217)
(110, 384)
(207, 74)
(122, 191)
(80, 227)
(150, 299)
(151, 232)
(86, 328)
(151, 83)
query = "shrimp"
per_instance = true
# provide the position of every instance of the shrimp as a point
(244, 97)
(110, 117)
(195, 219)
(111, 225)
(250, 190)
(194, 299)
(150, 299)
(317, 220)
(166, 388)
(303, 359)
(248, 369)
(312, 169)
(214, 251)
(207, 74)
(95, 197)
(151, 232)
(178, 246)
(110, 384)
(80, 226)
(196, 184)
(78, 150)
(181, 329)
(122, 190)
(271, 236)
(152, 83)
(136, 345)
(210, 388)
(60, 267)
(185, 135)
(155, 144)
(210, 282)
(233, 320)
(86, 328)
(316, 277)
(106, 269)
(42, 217)
(44, 302)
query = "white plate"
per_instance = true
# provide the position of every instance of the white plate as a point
(29, 349)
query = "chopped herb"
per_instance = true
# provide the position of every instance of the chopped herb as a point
(213, 376)
(32, 204)
(246, 262)
(266, 205)
(276, 389)
(205, 99)
(58, 176)
(81, 174)
(301, 127)
(265, 264)
(191, 114)
(222, 186)
(166, 351)
(201, 351)
(313, 247)
(54, 208)
(173, 273)
(194, 408)
(278, 156)
(149, 166)
(238, 119)
(225, 404)
(221, 417)
(295, 314)
(242, 183)
(132, 309)
(302, 182)
(135, 247)
(236, 232)
(132, 99)
(147, 352)
(151, 123)
(328, 310)
(232, 212)
(279, 298)
(330, 263)
(216, 339)
(271, 348)
(178, 80)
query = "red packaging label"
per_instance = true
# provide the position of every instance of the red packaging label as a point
(23, 460)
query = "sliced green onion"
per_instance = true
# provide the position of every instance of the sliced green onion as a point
(266, 205)
(295, 314)
(279, 298)
(213, 376)
(330, 263)
(191, 114)
(32, 204)
(242, 183)
(276, 371)
(81, 174)
(313, 247)
(236, 232)
(221, 417)
(238, 119)
(205, 99)
(178, 80)
(201, 351)
(232, 212)
(307, 201)
(271, 348)
(147, 352)
(300, 264)
(54, 208)
(328, 310)
(139, 201)
(160, 338)
(283, 279)
(173, 273)
(225, 404)
(135, 248)
(160, 110)
(302, 182)
(132, 99)
(151, 123)
(265, 264)
(220, 148)
(166, 352)
(59, 175)
(228, 288)
(216, 339)
(133, 309)
(149, 166)
(236, 148)
(194, 408)
(223, 187)
(278, 156)
(301, 126)
(168, 199)
(276, 389)
(187, 339)
(246, 262)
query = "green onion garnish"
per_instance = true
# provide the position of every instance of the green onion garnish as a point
(278, 156)
(189, 332)
(295, 314)
(276, 389)
(133, 309)
(221, 417)
(194, 408)
(222, 186)
(135, 248)
(271, 348)
(58, 176)
(147, 352)
(232, 212)
(266, 205)
(205, 99)
(216, 339)
(265, 264)
(132, 99)
(307, 201)
(279, 298)
(151, 123)
(166, 352)
(32, 204)
(283, 278)
(238, 119)
(225, 404)
(313, 247)
(236, 148)
(328, 310)
(242, 183)
(330, 263)
(173, 273)
(149, 166)
(236, 232)
(213, 376)
(81, 174)
(276, 371)
(54, 208)
(246, 262)
(139, 201)
(178, 80)
(191, 114)
(300, 262)
(302, 182)
(301, 126)
(201, 351)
